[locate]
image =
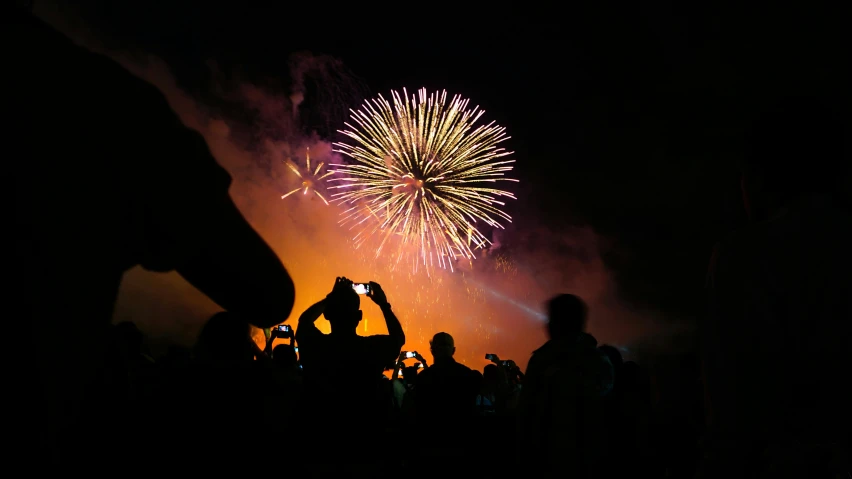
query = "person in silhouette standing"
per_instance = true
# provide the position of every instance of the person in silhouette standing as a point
(446, 394)
(285, 359)
(342, 370)
(776, 342)
(446, 390)
(562, 408)
(108, 178)
(344, 363)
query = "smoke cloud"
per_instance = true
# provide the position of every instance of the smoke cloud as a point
(492, 305)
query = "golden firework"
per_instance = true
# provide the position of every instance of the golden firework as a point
(311, 179)
(428, 176)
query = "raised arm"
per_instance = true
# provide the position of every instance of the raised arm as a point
(399, 365)
(309, 317)
(313, 313)
(394, 327)
(420, 358)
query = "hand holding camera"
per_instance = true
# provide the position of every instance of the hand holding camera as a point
(377, 294)
(400, 361)
(341, 284)
(412, 355)
(421, 359)
(282, 331)
(420, 364)
(371, 289)
(508, 364)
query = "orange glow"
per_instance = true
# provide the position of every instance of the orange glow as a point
(483, 311)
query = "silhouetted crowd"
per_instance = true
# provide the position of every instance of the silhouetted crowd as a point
(108, 178)
(344, 395)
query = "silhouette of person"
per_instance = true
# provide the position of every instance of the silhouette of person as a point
(342, 370)
(284, 357)
(510, 379)
(627, 407)
(635, 394)
(446, 393)
(618, 432)
(493, 390)
(614, 355)
(562, 409)
(778, 331)
(107, 178)
(212, 401)
(284, 389)
(225, 338)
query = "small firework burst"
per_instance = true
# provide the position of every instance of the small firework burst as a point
(311, 178)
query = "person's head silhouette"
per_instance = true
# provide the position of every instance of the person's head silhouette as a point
(614, 356)
(409, 374)
(343, 308)
(225, 337)
(491, 373)
(285, 357)
(443, 347)
(493, 378)
(798, 146)
(566, 316)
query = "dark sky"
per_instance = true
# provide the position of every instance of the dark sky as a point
(623, 117)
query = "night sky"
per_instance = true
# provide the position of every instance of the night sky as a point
(623, 118)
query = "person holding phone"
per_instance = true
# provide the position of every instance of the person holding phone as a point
(282, 331)
(404, 377)
(342, 370)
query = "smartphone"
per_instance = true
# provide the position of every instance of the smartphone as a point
(491, 357)
(410, 354)
(284, 328)
(296, 348)
(361, 288)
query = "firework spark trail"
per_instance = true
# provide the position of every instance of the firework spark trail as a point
(423, 170)
(311, 179)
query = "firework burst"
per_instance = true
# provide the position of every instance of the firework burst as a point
(310, 178)
(426, 173)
